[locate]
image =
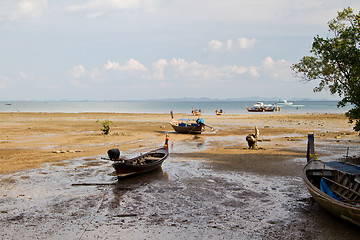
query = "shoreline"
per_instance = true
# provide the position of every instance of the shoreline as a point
(31, 139)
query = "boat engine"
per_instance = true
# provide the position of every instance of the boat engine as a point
(113, 154)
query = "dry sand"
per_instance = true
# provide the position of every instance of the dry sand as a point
(29, 140)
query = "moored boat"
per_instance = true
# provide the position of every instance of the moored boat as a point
(219, 112)
(257, 107)
(146, 162)
(196, 112)
(333, 185)
(189, 126)
(261, 107)
(283, 102)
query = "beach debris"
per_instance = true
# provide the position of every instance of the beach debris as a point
(66, 151)
(126, 215)
(98, 184)
(252, 139)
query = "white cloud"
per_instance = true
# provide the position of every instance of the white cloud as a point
(242, 44)
(245, 43)
(131, 65)
(191, 71)
(179, 68)
(12, 10)
(77, 71)
(237, 69)
(268, 62)
(215, 45)
(111, 65)
(158, 68)
(96, 8)
(278, 70)
(254, 71)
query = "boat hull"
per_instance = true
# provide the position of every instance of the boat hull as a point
(255, 109)
(346, 211)
(145, 163)
(188, 129)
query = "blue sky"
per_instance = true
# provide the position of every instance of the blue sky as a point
(155, 49)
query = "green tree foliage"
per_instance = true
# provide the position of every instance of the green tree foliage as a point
(335, 61)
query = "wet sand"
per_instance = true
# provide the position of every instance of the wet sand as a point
(30, 139)
(211, 186)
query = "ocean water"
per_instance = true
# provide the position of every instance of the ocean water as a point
(164, 106)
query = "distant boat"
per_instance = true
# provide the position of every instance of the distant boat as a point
(219, 112)
(185, 125)
(257, 107)
(283, 102)
(261, 107)
(196, 112)
(333, 185)
(144, 163)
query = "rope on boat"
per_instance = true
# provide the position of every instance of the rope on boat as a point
(191, 130)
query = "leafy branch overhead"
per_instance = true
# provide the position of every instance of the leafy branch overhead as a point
(335, 62)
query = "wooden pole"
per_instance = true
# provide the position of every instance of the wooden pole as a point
(310, 147)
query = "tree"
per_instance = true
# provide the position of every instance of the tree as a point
(335, 61)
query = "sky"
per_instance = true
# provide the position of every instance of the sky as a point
(158, 49)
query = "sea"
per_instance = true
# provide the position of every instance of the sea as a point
(164, 106)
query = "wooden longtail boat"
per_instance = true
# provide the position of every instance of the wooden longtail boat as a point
(189, 126)
(217, 112)
(261, 107)
(334, 185)
(196, 112)
(144, 163)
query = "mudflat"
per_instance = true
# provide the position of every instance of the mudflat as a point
(212, 186)
(29, 140)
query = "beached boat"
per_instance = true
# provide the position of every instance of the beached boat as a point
(146, 162)
(185, 125)
(196, 112)
(334, 185)
(219, 112)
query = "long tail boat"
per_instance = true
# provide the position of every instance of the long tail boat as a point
(188, 126)
(333, 185)
(146, 162)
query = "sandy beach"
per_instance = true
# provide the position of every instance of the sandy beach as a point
(211, 186)
(29, 140)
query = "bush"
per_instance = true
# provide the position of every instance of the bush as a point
(105, 126)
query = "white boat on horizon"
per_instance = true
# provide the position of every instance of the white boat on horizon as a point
(284, 102)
